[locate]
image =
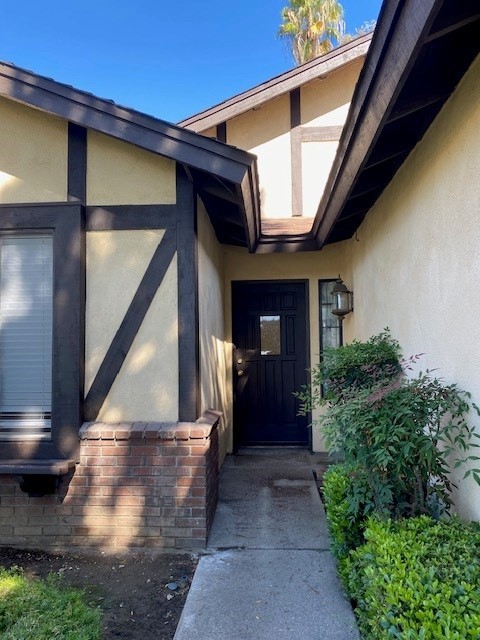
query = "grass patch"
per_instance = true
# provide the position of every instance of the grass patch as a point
(44, 609)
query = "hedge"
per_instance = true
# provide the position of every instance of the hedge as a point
(416, 579)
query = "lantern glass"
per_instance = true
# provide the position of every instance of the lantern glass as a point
(342, 299)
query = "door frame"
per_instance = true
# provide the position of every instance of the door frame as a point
(306, 283)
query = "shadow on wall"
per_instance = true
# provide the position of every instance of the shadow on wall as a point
(214, 385)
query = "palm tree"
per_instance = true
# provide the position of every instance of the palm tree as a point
(312, 27)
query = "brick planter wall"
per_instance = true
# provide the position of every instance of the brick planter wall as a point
(138, 486)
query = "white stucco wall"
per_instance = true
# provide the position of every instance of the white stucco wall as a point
(146, 387)
(325, 101)
(213, 366)
(317, 160)
(265, 131)
(33, 155)
(416, 257)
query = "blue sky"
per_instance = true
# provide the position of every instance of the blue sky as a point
(168, 59)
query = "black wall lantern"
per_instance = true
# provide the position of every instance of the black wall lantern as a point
(342, 299)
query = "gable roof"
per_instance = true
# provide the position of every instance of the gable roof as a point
(284, 83)
(227, 174)
(419, 52)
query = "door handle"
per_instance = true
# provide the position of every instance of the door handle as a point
(240, 372)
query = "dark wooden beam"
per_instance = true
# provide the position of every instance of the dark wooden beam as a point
(222, 132)
(295, 109)
(131, 217)
(381, 156)
(454, 26)
(283, 244)
(77, 163)
(417, 104)
(187, 283)
(123, 340)
(222, 194)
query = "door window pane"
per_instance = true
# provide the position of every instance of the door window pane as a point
(270, 340)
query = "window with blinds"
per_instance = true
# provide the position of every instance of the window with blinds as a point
(26, 283)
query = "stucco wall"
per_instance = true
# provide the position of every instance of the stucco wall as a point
(326, 101)
(213, 367)
(311, 266)
(317, 160)
(120, 173)
(416, 259)
(146, 387)
(266, 133)
(33, 155)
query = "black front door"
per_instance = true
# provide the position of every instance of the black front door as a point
(270, 362)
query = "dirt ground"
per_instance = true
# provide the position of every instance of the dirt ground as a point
(132, 592)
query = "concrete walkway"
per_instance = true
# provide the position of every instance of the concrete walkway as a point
(268, 573)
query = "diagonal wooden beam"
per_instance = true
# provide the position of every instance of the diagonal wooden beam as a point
(123, 340)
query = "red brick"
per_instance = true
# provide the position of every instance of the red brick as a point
(126, 542)
(175, 450)
(118, 449)
(176, 471)
(19, 530)
(101, 461)
(191, 461)
(160, 461)
(160, 543)
(176, 532)
(189, 543)
(198, 450)
(191, 502)
(189, 522)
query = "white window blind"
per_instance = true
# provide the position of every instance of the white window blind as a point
(26, 283)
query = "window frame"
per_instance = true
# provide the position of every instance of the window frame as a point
(324, 282)
(66, 223)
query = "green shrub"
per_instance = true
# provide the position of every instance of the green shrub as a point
(336, 487)
(404, 438)
(358, 365)
(416, 579)
(44, 610)
(401, 435)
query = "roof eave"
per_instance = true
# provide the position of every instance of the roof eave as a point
(388, 92)
(280, 85)
(206, 156)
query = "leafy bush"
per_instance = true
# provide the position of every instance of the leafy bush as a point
(336, 487)
(357, 365)
(416, 579)
(405, 437)
(44, 610)
(402, 436)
